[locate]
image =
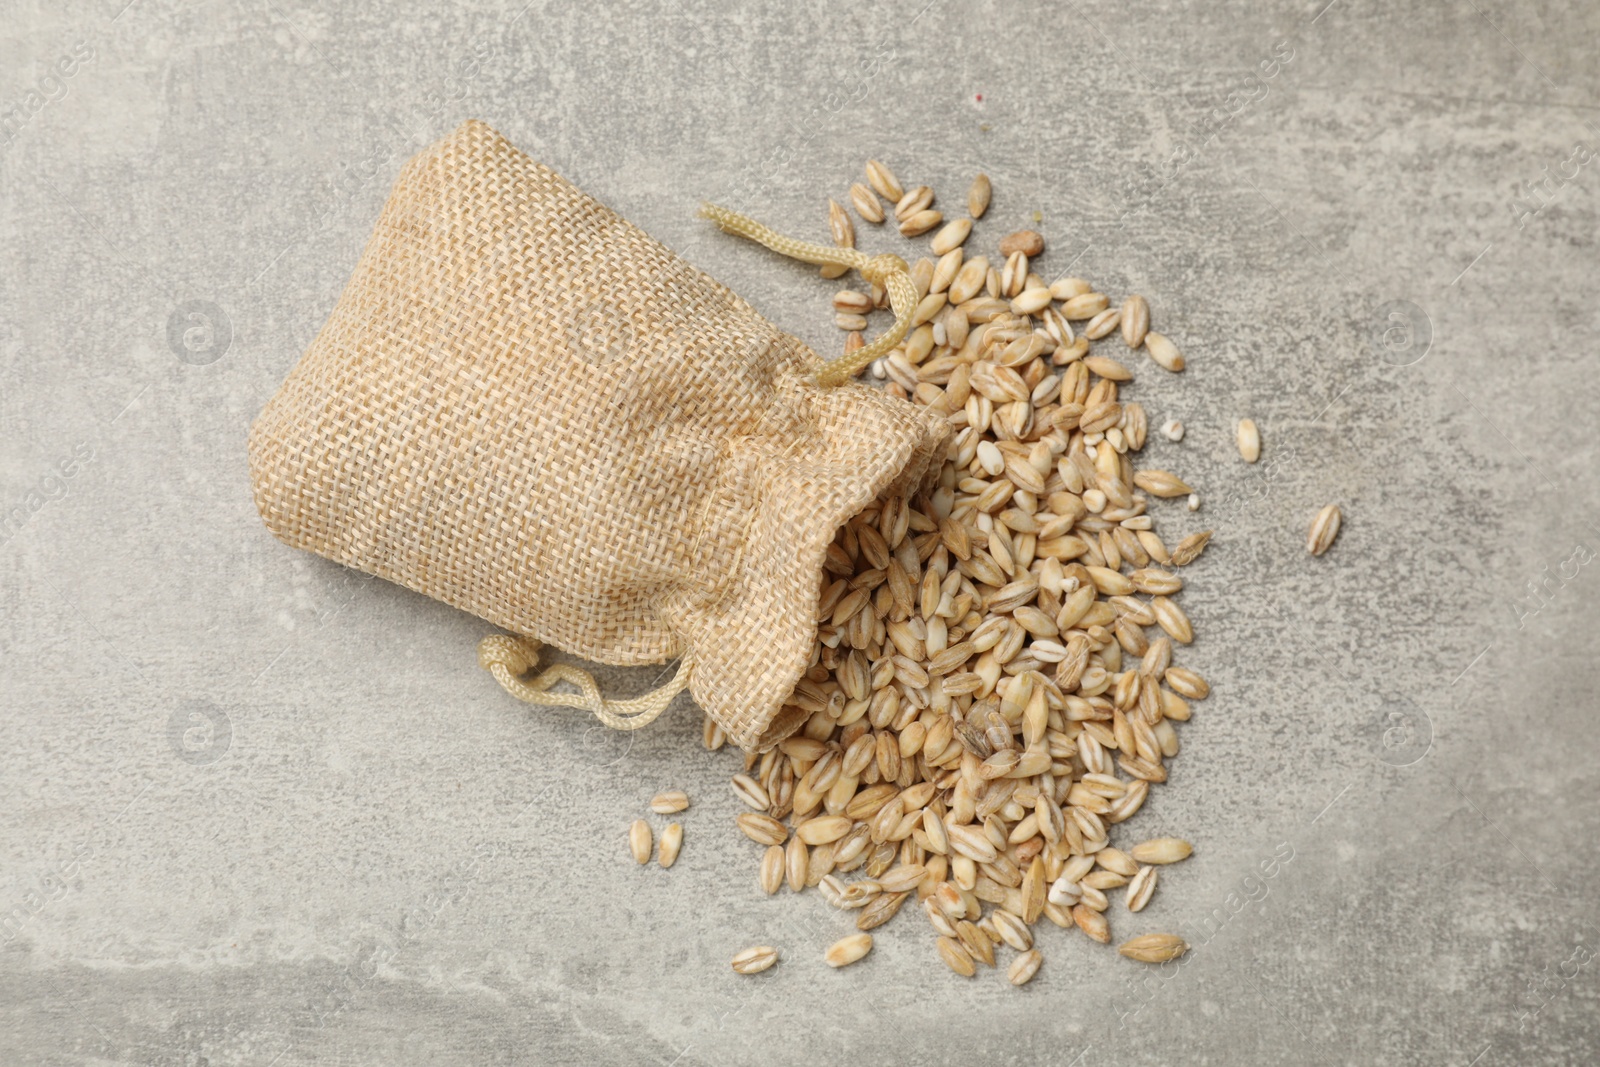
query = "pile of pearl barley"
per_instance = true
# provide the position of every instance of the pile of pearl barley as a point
(992, 689)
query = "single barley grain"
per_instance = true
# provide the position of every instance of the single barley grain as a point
(840, 227)
(639, 841)
(944, 275)
(915, 200)
(671, 843)
(1091, 897)
(749, 790)
(1161, 483)
(1163, 351)
(1249, 440)
(951, 236)
(880, 910)
(1135, 321)
(1111, 371)
(920, 222)
(1186, 683)
(956, 956)
(848, 950)
(1142, 887)
(1028, 242)
(712, 736)
(1154, 948)
(1030, 301)
(883, 181)
(902, 878)
(1084, 306)
(969, 280)
(772, 870)
(824, 829)
(670, 802)
(1103, 325)
(1065, 289)
(1116, 861)
(1324, 528)
(796, 864)
(1024, 967)
(976, 942)
(1013, 930)
(1092, 922)
(755, 959)
(978, 196)
(1162, 850)
(1172, 619)
(852, 303)
(762, 828)
(1190, 547)
(866, 203)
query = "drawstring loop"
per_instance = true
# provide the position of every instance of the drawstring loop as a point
(889, 271)
(508, 658)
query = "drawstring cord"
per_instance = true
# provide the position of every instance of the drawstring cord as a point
(508, 658)
(889, 271)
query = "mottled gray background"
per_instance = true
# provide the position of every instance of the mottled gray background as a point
(259, 810)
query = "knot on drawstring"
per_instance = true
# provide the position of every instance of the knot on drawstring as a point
(878, 269)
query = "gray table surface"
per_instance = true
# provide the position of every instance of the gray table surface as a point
(259, 810)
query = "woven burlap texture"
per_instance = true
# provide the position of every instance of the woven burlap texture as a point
(525, 407)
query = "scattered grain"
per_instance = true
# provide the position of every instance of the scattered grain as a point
(1141, 888)
(1135, 321)
(848, 950)
(866, 203)
(1163, 351)
(883, 181)
(1324, 528)
(1154, 948)
(772, 870)
(755, 959)
(1162, 850)
(1190, 547)
(1024, 967)
(670, 802)
(951, 236)
(639, 841)
(1249, 440)
(920, 222)
(1028, 242)
(671, 843)
(978, 196)
(956, 956)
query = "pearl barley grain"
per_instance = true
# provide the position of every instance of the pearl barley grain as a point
(639, 841)
(1249, 440)
(844, 952)
(755, 959)
(1324, 528)
(671, 844)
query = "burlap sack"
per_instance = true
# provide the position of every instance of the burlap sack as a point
(525, 407)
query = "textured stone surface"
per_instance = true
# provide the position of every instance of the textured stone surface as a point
(259, 810)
